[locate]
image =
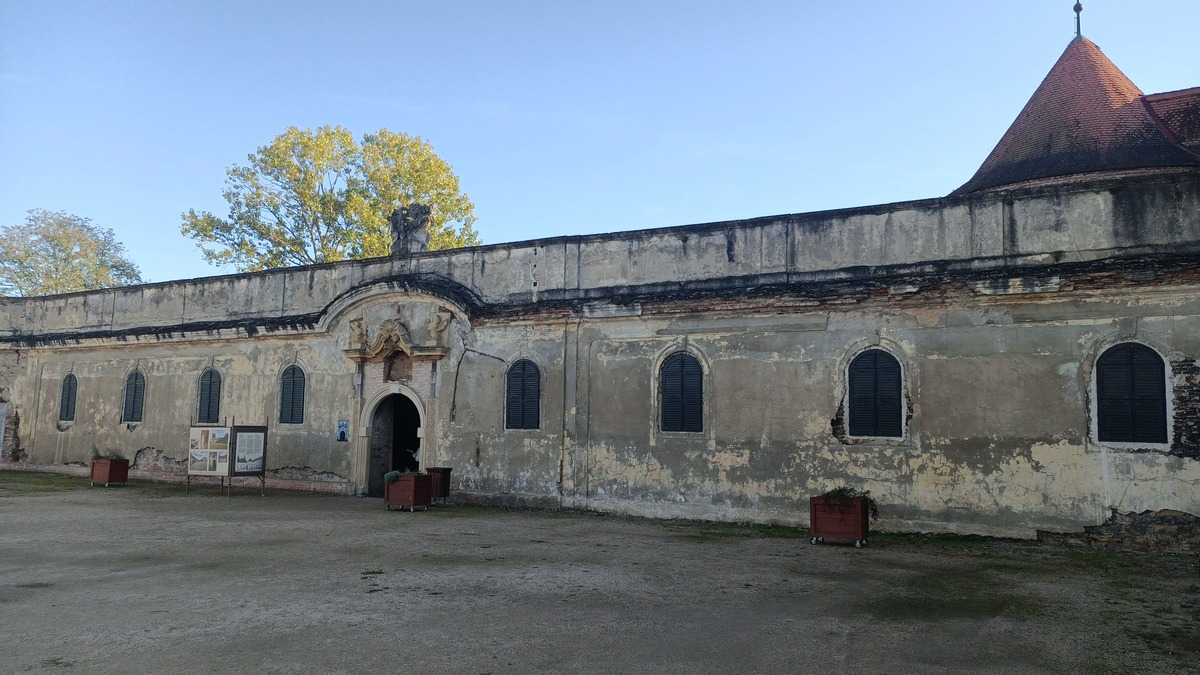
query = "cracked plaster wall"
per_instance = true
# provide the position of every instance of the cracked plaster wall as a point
(1058, 223)
(997, 376)
(998, 439)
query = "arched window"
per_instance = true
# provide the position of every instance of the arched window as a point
(210, 397)
(66, 401)
(135, 397)
(875, 402)
(522, 396)
(681, 386)
(291, 396)
(1131, 395)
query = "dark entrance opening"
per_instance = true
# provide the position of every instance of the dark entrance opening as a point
(395, 443)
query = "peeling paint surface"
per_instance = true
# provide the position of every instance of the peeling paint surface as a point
(997, 322)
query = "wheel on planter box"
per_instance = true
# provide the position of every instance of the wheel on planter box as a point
(812, 540)
(858, 543)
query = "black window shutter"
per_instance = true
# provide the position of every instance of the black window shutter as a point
(66, 402)
(135, 396)
(514, 388)
(210, 397)
(888, 406)
(875, 400)
(291, 396)
(531, 397)
(862, 395)
(522, 396)
(693, 395)
(681, 382)
(1131, 400)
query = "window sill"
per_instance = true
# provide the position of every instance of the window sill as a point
(1133, 447)
(876, 441)
(131, 425)
(63, 425)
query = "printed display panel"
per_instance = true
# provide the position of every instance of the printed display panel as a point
(208, 451)
(249, 451)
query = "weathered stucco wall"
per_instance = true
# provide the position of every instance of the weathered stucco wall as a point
(997, 308)
(999, 438)
(249, 395)
(9, 421)
(1030, 227)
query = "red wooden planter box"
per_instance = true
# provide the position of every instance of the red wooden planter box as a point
(409, 491)
(440, 475)
(843, 519)
(109, 471)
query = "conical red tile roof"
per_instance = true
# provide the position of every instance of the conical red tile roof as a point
(1085, 117)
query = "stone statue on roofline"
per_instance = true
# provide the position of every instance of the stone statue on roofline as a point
(410, 233)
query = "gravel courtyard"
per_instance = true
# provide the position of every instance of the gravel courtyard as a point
(146, 579)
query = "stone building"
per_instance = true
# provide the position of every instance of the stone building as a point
(1019, 354)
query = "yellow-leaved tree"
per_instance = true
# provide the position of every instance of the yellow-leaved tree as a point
(318, 195)
(56, 252)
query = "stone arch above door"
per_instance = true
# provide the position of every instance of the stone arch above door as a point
(378, 394)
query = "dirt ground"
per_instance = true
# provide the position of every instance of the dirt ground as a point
(145, 579)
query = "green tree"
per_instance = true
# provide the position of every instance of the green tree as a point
(56, 252)
(314, 196)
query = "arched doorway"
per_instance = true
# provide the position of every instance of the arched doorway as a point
(395, 440)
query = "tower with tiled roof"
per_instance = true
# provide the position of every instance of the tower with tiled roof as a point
(1088, 118)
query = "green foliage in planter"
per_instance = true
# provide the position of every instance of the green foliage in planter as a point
(392, 476)
(847, 493)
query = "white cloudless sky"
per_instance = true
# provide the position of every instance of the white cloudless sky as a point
(560, 117)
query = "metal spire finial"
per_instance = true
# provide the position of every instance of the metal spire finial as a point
(1078, 11)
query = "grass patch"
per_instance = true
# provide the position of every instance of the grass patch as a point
(15, 483)
(20, 483)
(449, 511)
(946, 608)
(946, 593)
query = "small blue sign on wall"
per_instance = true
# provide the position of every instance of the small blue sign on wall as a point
(343, 431)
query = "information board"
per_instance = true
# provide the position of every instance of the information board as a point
(249, 451)
(208, 451)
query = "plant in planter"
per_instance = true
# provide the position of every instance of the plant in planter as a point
(842, 514)
(407, 490)
(109, 468)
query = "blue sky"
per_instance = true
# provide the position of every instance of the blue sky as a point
(559, 117)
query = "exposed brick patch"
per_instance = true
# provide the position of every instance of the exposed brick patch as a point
(1158, 531)
(10, 437)
(1187, 409)
(155, 461)
(305, 474)
(837, 425)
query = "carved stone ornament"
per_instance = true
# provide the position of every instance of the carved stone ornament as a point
(438, 323)
(409, 229)
(358, 334)
(392, 336)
